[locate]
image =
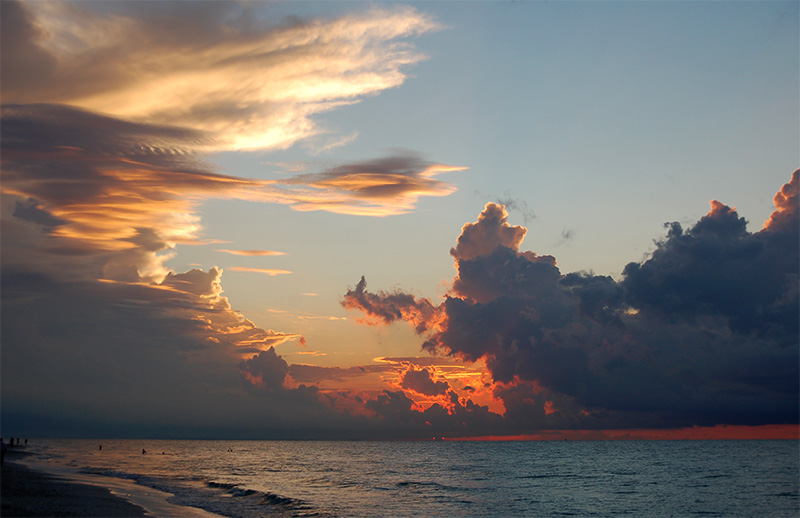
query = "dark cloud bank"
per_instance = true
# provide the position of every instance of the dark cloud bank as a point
(703, 332)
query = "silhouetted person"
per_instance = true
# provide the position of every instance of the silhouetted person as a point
(3, 449)
(100, 447)
(143, 451)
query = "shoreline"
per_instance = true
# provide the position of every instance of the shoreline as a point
(28, 492)
(27, 489)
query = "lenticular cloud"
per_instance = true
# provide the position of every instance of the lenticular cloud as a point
(703, 332)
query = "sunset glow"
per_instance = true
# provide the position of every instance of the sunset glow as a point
(477, 221)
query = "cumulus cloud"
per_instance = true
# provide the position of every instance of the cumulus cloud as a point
(266, 370)
(490, 231)
(489, 262)
(703, 332)
(214, 68)
(786, 212)
(718, 268)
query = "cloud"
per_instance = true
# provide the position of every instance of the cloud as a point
(718, 268)
(489, 263)
(385, 308)
(459, 417)
(122, 193)
(266, 370)
(421, 381)
(215, 69)
(381, 187)
(703, 332)
(490, 231)
(114, 350)
(786, 211)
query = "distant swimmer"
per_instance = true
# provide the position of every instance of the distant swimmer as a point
(143, 451)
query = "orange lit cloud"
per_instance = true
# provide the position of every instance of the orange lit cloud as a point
(787, 201)
(490, 231)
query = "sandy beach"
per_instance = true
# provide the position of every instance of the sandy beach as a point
(25, 492)
(30, 490)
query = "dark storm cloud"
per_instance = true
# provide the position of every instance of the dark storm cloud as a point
(395, 410)
(266, 370)
(718, 268)
(705, 331)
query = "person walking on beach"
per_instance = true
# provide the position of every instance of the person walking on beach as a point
(3, 449)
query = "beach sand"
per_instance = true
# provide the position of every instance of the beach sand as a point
(25, 492)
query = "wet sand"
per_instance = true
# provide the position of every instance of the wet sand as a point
(25, 492)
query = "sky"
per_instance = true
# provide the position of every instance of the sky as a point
(380, 220)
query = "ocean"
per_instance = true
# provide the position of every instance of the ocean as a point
(451, 479)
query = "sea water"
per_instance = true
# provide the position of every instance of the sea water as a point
(452, 479)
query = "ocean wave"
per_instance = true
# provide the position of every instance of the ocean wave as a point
(271, 503)
(235, 502)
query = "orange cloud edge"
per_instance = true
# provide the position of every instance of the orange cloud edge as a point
(694, 433)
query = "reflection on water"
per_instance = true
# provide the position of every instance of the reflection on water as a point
(438, 479)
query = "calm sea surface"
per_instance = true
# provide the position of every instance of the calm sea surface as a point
(453, 479)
